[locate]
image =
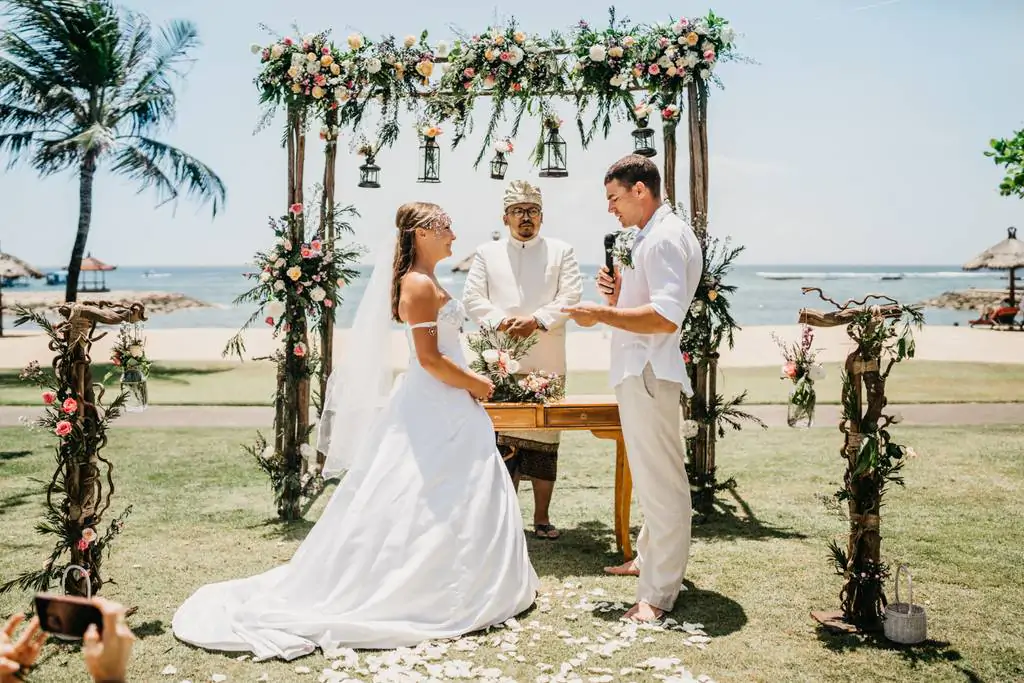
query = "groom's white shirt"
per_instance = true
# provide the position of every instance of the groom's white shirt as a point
(667, 267)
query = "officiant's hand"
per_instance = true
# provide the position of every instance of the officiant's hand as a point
(608, 285)
(584, 314)
(522, 326)
(482, 388)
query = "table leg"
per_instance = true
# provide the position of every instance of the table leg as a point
(623, 491)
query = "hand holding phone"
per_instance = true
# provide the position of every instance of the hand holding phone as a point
(67, 615)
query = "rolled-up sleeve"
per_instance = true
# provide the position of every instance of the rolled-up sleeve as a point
(665, 269)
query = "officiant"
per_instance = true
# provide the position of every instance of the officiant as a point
(520, 284)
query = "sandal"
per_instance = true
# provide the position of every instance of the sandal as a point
(546, 531)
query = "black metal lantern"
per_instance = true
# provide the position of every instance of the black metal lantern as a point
(498, 166)
(643, 139)
(554, 156)
(430, 170)
(369, 174)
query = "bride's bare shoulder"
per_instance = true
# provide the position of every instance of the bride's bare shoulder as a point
(416, 285)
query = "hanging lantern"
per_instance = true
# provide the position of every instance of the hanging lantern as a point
(134, 368)
(498, 166)
(369, 173)
(554, 152)
(430, 157)
(643, 139)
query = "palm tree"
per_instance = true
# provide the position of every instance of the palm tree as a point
(84, 85)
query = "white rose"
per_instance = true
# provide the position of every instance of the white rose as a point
(490, 356)
(697, 307)
(512, 366)
(728, 35)
(372, 65)
(275, 309)
(268, 452)
(317, 294)
(279, 286)
(615, 52)
(298, 58)
(264, 276)
(279, 263)
(277, 50)
(516, 55)
(691, 59)
(409, 41)
(700, 27)
(313, 67)
(442, 48)
(135, 350)
(597, 53)
(616, 81)
(665, 61)
(705, 74)
(532, 47)
(681, 40)
(690, 429)
(816, 372)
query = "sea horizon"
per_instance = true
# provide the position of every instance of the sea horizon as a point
(767, 294)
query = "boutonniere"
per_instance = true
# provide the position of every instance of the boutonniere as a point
(622, 252)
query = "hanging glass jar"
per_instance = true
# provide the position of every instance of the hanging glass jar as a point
(643, 139)
(130, 355)
(800, 413)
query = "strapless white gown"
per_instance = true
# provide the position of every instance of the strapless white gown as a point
(423, 541)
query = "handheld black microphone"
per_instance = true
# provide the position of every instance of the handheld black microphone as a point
(609, 245)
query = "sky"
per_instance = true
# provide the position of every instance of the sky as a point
(856, 138)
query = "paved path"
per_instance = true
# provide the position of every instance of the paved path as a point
(774, 415)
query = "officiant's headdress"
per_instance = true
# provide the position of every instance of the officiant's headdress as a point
(522, 192)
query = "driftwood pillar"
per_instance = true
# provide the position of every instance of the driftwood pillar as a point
(291, 426)
(872, 460)
(327, 231)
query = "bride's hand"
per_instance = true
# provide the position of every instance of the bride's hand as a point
(482, 388)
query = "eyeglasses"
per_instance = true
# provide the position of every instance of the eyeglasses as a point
(519, 212)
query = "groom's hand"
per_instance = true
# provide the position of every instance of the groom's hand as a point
(584, 314)
(608, 285)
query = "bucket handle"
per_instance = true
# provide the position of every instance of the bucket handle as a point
(910, 586)
(88, 580)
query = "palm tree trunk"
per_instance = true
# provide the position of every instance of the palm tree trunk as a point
(86, 173)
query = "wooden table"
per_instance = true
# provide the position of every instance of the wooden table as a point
(599, 417)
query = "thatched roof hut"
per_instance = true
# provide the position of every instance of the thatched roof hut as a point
(1007, 255)
(12, 267)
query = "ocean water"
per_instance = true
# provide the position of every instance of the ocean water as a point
(767, 295)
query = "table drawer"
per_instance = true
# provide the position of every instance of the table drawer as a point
(513, 417)
(582, 416)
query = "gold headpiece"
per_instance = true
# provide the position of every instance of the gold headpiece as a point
(522, 192)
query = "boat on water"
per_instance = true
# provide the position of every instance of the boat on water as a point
(153, 273)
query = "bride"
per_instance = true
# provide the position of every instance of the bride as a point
(423, 537)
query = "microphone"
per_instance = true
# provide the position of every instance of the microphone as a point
(609, 244)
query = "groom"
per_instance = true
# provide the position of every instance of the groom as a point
(646, 305)
(521, 284)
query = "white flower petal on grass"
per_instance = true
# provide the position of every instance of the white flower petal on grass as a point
(169, 670)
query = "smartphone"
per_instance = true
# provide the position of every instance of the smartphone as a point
(66, 615)
(609, 245)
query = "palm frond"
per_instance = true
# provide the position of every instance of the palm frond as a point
(176, 166)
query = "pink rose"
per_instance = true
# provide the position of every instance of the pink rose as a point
(63, 428)
(295, 208)
(83, 545)
(654, 69)
(469, 73)
(299, 350)
(790, 369)
(686, 357)
(709, 56)
(287, 41)
(316, 245)
(325, 50)
(505, 56)
(70, 405)
(663, 42)
(328, 303)
(49, 397)
(306, 252)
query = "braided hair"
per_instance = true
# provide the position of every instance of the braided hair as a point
(410, 216)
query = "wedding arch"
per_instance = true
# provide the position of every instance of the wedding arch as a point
(625, 71)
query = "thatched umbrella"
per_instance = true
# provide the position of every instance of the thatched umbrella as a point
(12, 266)
(1007, 255)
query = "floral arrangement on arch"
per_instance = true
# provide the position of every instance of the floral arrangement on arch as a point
(309, 274)
(803, 370)
(128, 352)
(684, 50)
(304, 72)
(497, 355)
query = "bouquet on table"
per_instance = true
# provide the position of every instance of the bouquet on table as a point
(803, 370)
(497, 356)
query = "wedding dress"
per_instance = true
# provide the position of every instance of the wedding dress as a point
(422, 540)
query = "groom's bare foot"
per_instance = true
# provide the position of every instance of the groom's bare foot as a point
(643, 611)
(624, 569)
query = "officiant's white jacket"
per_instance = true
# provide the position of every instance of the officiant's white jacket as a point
(535, 278)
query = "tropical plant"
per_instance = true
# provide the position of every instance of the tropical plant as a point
(1009, 152)
(84, 84)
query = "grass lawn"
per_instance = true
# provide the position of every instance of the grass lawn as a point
(202, 513)
(252, 383)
